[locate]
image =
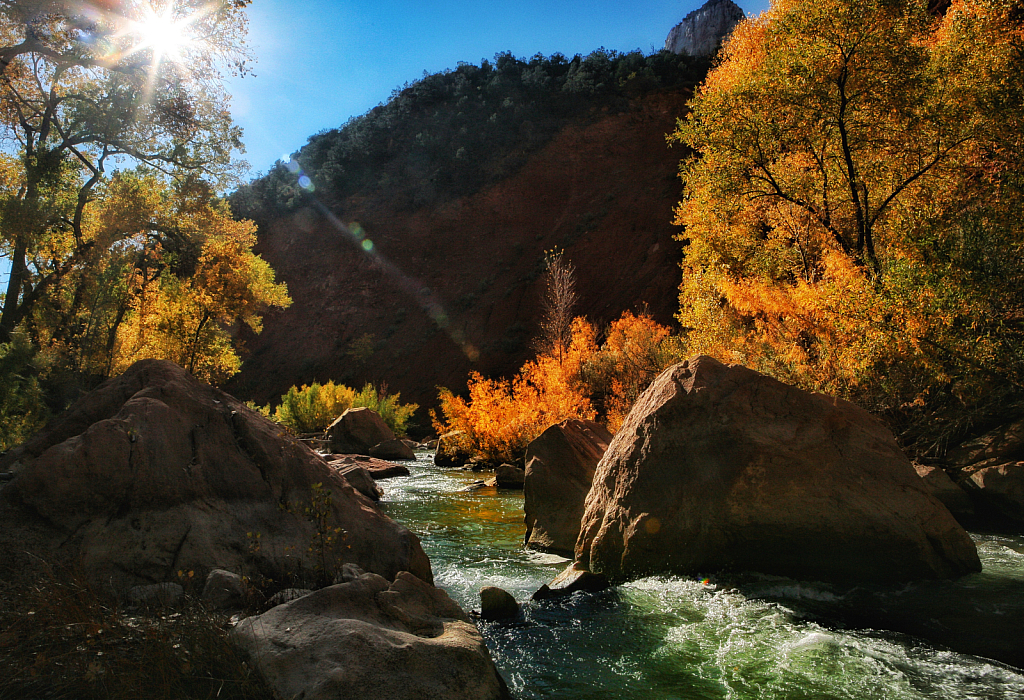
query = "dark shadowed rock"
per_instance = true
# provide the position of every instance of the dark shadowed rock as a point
(948, 493)
(560, 466)
(722, 468)
(497, 604)
(155, 472)
(225, 590)
(357, 430)
(366, 638)
(361, 480)
(701, 32)
(1000, 490)
(509, 476)
(392, 449)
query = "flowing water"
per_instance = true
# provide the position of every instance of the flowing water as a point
(667, 637)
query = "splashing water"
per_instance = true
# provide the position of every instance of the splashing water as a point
(667, 637)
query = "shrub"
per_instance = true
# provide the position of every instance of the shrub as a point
(395, 414)
(312, 408)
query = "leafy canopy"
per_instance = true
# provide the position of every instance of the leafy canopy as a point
(852, 210)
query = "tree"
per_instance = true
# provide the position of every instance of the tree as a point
(557, 303)
(851, 159)
(83, 89)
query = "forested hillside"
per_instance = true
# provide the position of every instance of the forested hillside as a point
(447, 198)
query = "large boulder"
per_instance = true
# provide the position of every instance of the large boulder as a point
(943, 488)
(992, 472)
(155, 472)
(701, 31)
(560, 467)
(366, 638)
(720, 468)
(357, 430)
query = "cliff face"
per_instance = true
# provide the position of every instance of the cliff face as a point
(701, 32)
(454, 288)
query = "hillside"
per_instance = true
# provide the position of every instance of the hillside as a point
(452, 284)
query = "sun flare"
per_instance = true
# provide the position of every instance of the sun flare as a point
(165, 35)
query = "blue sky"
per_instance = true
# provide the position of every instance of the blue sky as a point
(321, 62)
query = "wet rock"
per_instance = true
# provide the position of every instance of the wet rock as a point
(560, 466)
(403, 641)
(497, 604)
(573, 578)
(155, 472)
(357, 430)
(722, 468)
(392, 449)
(508, 476)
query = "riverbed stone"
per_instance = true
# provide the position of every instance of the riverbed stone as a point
(720, 468)
(225, 590)
(392, 449)
(155, 472)
(560, 467)
(357, 430)
(405, 640)
(378, 468)
(572, 579)
(509, 476)
(497, 604)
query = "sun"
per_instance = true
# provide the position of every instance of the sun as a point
(167, 36)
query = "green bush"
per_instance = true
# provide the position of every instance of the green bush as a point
(22, 407)
(312, 409)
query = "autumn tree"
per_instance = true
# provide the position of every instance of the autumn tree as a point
(85, 88)
(557, 303)
(852, 207)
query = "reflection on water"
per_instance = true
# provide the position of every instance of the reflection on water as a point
(662, 638)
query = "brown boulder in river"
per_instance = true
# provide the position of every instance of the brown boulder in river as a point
(155, 472)
(722, 468)
(560, 466)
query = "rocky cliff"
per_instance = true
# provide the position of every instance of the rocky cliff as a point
(452, 288)
(701, 31)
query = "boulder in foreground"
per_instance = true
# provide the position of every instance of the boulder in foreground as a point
(154, 473)
(720, 468)
(366, 638)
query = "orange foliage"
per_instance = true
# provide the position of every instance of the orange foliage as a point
(501, 416)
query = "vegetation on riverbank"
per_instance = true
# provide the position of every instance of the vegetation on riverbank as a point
(311, 409)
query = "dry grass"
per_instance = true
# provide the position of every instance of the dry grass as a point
(60, 639)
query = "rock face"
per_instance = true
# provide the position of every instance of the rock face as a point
(357, 430)
(366, 638)
(560, 467)
(721, 468)
(701, 32)
(155, 472)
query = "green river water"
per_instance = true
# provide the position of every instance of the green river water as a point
(667, 637)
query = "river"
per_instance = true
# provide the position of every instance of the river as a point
(667, 638)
